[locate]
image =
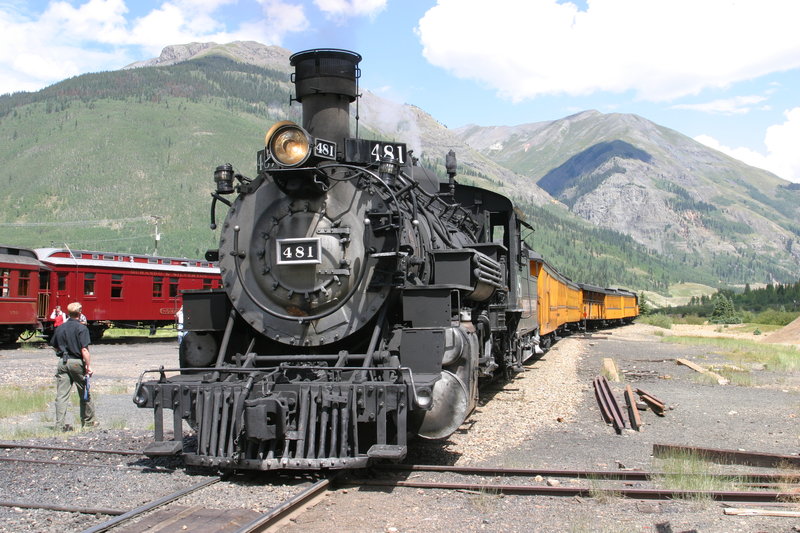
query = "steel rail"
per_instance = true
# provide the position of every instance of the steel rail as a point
(642, 494)
(13, 445)
(150, 506)
(83, 465)
(622, 475)
(64, 508)
(278, 513)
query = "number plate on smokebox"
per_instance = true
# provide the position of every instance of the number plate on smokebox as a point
(298, 251)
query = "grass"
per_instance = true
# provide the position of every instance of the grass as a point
(741, 377)
(688, 472)
(117, 389)
(762, 329)
(117, 423)
(29, 432)
(116, 333)
(486, 500)
(167, 332)
(19, 401)
(773, 356)
(601, 493)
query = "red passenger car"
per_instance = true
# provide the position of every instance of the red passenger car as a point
(19, 290)
(126, 290)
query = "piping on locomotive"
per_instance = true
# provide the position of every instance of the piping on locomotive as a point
(361, 305)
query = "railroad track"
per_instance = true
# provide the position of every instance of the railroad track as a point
(194, 519)
(754, 479)
(168, 508)
(159, 510)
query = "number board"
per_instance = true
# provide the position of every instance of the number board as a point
(325, 149)
(366, 152)
(299, 251)
(262, 157)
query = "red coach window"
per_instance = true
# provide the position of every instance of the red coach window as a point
(208, 283)
(116, 285)
(158, 287)
(62, 281)
(88, 284)
(173, 287)
(23, 283)
(5, 282)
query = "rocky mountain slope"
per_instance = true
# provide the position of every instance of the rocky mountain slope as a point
(667, 191)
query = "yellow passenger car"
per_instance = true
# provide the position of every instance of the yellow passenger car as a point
(559, 298)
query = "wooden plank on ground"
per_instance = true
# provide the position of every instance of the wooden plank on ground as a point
(762, 512)
(610, 369)
(195, 518)
(697, 368)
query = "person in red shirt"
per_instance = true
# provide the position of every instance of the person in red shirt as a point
(58, 316)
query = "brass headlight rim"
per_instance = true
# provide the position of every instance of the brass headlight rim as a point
(278, 128)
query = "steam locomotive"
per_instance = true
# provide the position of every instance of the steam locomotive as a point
(362, 303)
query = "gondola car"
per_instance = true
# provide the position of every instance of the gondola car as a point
(363, 302)
(124, 290)
(19, 292)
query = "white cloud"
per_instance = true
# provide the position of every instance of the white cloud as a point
(350, 8)
(68, 39)
(71, 37)
(738, 105)
(660, 49)
(37, 51)
(783, 157)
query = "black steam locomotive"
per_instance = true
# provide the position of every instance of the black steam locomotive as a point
(362, 300)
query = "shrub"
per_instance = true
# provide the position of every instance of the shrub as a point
(658, 320)
(694, 320)
(777, 318)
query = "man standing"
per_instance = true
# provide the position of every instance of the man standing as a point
(71, 342)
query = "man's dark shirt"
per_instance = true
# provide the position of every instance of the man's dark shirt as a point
(71, 337)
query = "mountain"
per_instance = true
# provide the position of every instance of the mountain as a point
(107, 160)
(667, 191)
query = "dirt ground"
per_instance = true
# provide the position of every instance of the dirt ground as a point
(789, 334)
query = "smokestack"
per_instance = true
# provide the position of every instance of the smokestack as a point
(325, 80)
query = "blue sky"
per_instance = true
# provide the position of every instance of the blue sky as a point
(725, 72)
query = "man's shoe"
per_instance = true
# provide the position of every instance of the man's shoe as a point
(66, 427)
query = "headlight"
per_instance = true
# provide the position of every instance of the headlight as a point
(288, 144)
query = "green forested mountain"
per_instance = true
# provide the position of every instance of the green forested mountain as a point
(121, 147)
(96, 160)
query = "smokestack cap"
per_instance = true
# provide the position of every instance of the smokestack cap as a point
(326, 71)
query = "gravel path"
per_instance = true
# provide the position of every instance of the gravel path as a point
(545, 417)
